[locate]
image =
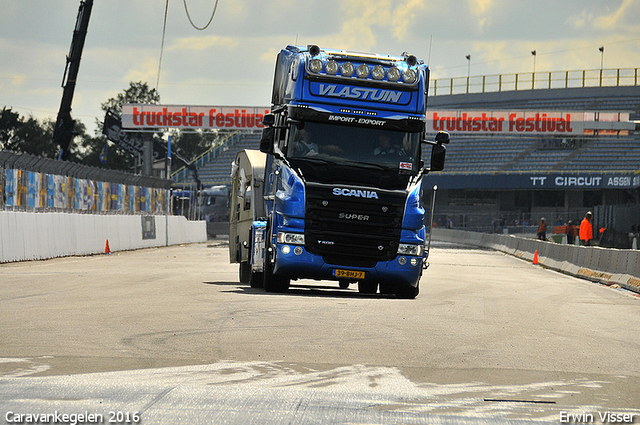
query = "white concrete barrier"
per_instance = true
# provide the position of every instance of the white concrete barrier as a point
(605, 265)
(37, 236)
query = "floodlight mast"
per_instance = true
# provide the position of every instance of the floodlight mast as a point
(63, 130)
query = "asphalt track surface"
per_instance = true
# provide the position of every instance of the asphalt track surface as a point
(168, 335)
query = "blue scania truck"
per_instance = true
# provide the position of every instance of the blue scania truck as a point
(336, 191)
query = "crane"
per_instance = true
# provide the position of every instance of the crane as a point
(63, 130)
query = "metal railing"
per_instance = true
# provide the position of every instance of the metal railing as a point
(513, 222)
(180, 176)
(538, 80)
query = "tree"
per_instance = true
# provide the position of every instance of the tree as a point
(9, 124)
(26, 135)
(137, 92)
(36, 138)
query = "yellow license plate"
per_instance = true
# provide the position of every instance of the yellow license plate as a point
(349, 274)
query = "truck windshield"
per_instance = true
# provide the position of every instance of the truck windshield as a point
(392, 151)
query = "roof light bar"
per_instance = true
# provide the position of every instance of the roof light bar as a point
(327, 63)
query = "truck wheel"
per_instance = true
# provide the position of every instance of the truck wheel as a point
(271, 282)
(407, 292)
(245, 272)
(367, 287)
(256, 280)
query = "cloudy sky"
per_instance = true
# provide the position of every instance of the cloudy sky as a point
(231, 62)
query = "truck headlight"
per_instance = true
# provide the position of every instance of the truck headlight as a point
(393, 74)
(291, 238)
(409, 76)
(315, 65)
(410, 249)
(362, 71)
(378, 72)
(331, 67)
(347, 69)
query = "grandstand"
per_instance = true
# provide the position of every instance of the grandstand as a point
(219, 171)
(470, 154)
(214, 166)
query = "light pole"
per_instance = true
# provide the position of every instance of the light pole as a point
(533, 76)
(601, 49)
(468, 71)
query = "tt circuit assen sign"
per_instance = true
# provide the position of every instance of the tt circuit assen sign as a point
(554, 181)
(192, 117)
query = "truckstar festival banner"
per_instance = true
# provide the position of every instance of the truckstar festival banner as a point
(529, 122)
(506, 122)
(136, 116)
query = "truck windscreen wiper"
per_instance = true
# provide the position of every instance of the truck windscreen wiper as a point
(311, 159)
(369, 165)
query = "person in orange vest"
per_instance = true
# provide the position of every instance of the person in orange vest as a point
(542, 230)
(586, 230)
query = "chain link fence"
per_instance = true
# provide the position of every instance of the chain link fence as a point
(606, 220)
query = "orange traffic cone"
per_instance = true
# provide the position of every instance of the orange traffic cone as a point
(535, 257)
(107, 250)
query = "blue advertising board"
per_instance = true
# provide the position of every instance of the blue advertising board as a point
(546, 181)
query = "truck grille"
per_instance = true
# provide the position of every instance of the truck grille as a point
(353, 230)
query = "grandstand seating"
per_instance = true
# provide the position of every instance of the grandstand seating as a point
(218, 170)
(469, 154)
(607, 154)
(495, 154)
(472, 153)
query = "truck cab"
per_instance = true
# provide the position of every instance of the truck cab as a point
(343, 173)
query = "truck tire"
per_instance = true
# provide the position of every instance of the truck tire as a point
(271, 282)
(245, 272)
(367, 287)
(407, 292)
(256, 280)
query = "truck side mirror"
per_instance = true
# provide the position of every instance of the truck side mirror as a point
(268, 120)
(268, 134)
(437, 157)
(442, 138)
(266, 141)
(438, 152)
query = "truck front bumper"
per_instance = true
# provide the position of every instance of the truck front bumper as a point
(295, 262)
